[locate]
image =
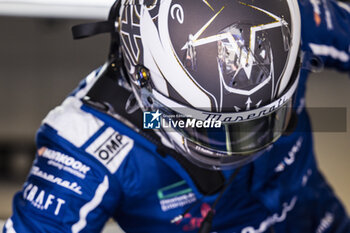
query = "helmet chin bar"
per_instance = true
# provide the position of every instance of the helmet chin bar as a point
(199, 157)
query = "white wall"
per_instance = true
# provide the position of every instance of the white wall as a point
(82, 9)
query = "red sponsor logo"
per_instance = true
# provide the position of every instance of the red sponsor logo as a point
(192, 222)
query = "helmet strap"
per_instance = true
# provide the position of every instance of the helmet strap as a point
(85, 30)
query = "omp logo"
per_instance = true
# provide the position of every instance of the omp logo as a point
(42, 200)
(113, 144)
(110, 148)
(64, 162)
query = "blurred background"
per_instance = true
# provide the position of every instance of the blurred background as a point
(40, 64)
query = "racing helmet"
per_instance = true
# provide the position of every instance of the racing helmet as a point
(226, 69)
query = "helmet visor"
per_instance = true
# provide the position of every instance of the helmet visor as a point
(225, 139)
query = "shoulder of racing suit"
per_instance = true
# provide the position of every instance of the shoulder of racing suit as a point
(79, 173)
(325, 34)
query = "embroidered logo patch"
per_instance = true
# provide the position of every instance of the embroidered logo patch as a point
(110, 148)
(175, 195)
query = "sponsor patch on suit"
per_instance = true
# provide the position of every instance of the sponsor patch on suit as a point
(110, 148)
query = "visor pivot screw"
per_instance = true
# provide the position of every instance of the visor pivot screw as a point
(150, 100)
(142, 75)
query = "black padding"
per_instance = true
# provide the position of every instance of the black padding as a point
(208, 182)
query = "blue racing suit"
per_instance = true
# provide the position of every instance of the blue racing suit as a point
(91, 166)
